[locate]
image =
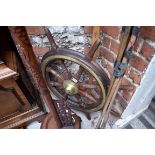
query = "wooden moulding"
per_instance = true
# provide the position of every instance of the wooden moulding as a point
(29, 60)
(22, 119)
(6, 72)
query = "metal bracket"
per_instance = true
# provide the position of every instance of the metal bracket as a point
(128, 54)
(136, 31)
(119, 69)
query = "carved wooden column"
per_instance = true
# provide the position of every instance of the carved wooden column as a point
(28, 57)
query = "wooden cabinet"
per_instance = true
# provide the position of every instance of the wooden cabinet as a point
(19, 100)
(12, 99)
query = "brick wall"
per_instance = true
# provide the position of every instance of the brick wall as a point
(143, 51)
(79, 38)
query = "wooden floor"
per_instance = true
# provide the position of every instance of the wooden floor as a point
(144, 121)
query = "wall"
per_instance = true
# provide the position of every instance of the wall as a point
(79, 38)
(142, 54)
(66, 37)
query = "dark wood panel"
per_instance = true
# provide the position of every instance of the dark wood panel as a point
(12, 99)
(29, 60)
(17, 93)
(9, 104)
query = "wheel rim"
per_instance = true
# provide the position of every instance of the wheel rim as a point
(71, 88)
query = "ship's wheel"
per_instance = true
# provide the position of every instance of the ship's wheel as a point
(74, 78)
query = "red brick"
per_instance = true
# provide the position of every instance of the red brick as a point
(135, 76)
(114, 46)
(127, 95)
(138, 63)
(88, 29)
(127, 71)
(112, 31)
(106, 54)
(130, 88)
(107, 66)
(35, 30)
(147, 50)
(86, 48)
(40, 51)
(106, 42)
(122, 101)
(148, 32)
(103, 62)
(125, 81)
(137, 44)
(110, 69)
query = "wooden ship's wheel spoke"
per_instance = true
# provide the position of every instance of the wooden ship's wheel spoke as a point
(55, 73)
(79, 73)
(85, 94)
(87, 86)
(55, 84)
(66, 72)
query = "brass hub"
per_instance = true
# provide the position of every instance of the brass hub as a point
(70, 87)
